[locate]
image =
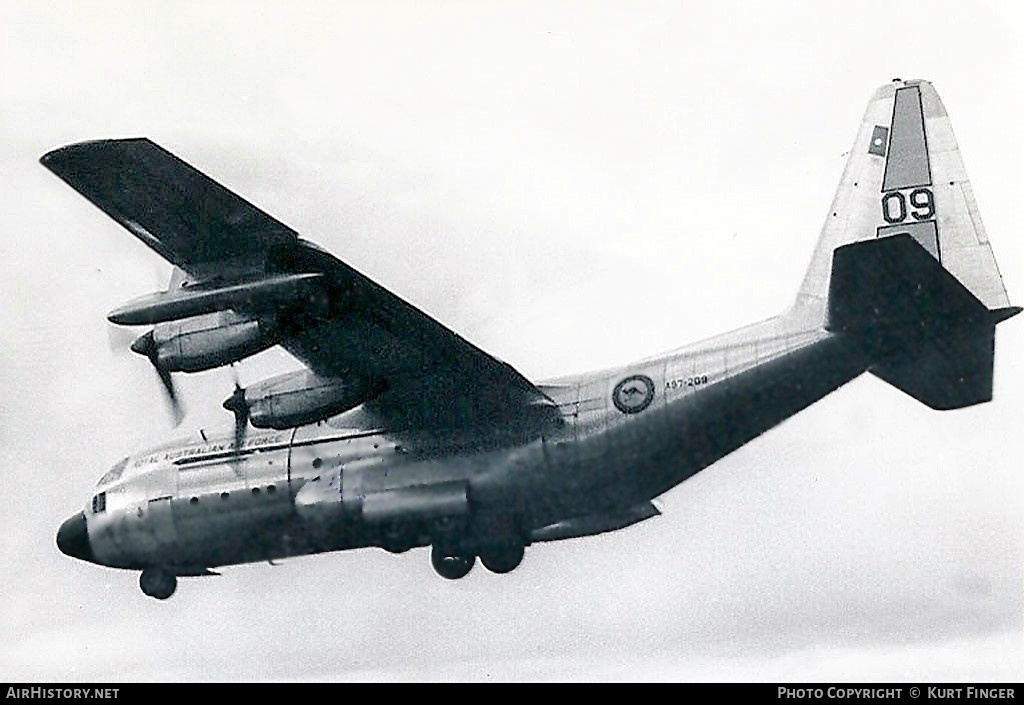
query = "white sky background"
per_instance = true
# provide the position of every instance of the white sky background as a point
(569, 185)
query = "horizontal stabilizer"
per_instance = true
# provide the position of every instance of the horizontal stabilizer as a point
(894, 282)
(929, 335)
(949, 373)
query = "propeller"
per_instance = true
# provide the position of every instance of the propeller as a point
(237, 405)
(145, 345)
(120, 338)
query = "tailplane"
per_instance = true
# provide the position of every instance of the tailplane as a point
(929, 335)
(903, 264)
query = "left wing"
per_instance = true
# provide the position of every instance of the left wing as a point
(236, 256)
(183, 214)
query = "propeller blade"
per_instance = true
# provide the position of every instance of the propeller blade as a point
(237, 405)
(145, 345)
(172, 395)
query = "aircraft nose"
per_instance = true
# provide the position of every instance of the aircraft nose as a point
(73, 538)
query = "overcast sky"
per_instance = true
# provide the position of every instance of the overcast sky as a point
(507, 168)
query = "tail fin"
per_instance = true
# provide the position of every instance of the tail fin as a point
(905, 175)
(904, 262)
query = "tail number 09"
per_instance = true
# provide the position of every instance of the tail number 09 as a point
(920, 205)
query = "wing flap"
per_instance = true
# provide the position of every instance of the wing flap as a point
(434, 376)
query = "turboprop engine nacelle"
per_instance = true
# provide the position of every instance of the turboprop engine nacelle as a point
(204, 342)
(299, 398)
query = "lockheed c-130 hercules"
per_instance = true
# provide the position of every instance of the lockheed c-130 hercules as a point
(400, 434)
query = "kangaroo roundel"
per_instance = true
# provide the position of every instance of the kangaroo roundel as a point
(633, 394)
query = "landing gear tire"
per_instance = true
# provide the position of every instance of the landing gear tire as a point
(396, 547)
(158, 583)
(502, 559)
(451, 566)
(396, 540)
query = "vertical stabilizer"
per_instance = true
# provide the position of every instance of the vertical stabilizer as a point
(905, 175)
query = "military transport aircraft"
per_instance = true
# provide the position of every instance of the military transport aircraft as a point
(400, 433)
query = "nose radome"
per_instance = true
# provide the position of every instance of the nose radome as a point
(73, 538)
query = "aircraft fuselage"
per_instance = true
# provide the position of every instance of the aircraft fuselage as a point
(625, 437)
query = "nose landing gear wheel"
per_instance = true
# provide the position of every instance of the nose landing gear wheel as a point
(451, 566)
(502, 559)
(157, 583)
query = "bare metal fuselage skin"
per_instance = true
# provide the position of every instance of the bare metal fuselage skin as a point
(625, 437)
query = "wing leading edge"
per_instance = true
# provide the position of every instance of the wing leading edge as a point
(431, 376)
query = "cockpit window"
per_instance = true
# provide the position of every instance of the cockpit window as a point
(99, 503)
(113, 473)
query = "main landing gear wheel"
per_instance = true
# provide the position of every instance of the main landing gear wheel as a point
(502, 559)
(451, 565)
(395, 539)
(157, 583)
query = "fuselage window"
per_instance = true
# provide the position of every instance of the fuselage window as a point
(99, 503)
